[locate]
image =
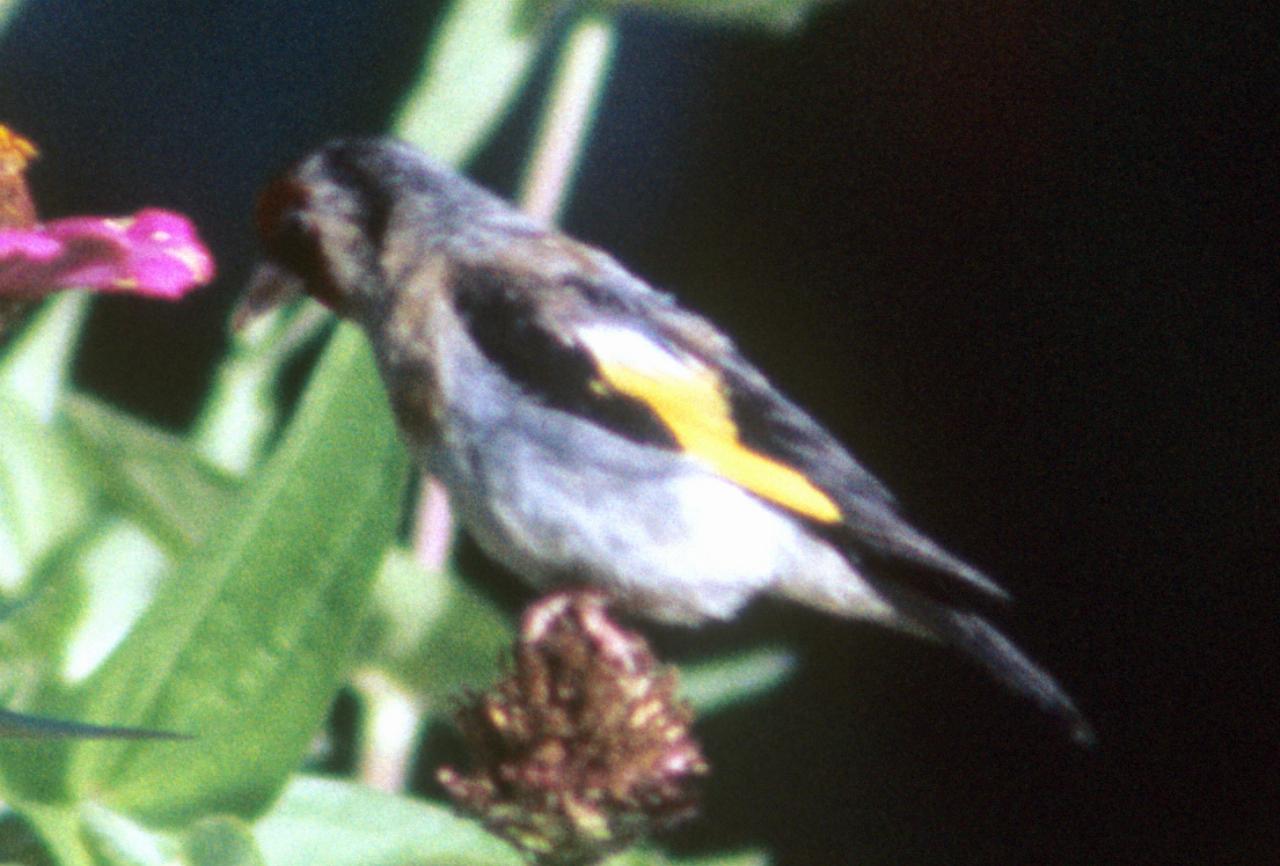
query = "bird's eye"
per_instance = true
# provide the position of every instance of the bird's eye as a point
(291, 238)
(294, 244)
(282, 225)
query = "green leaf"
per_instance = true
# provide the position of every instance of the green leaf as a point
(719, 683)
(43, 495)
(59, 828)
(34, 368)
(246, 644)
(741, 858)
(220, 842)
(7, 10)
(651, 857)
(20, 844)
(318, 822)
(84, 601)
(35, 631)
(97, 836)
(119, 570)
(477, 62)
(117, 840)
(431, 632)
(87, 599)
(241, 412)
(154, 477)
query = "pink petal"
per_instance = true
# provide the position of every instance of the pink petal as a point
(154, 253)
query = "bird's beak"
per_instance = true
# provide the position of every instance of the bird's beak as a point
(270, 288)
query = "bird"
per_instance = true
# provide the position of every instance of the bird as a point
(591, 431)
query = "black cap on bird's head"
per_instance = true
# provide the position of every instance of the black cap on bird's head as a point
(332, 223)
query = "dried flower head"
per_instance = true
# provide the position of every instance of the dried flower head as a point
(583, 748)
(16, 208)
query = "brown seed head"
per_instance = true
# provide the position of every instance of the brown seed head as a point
(583, 748)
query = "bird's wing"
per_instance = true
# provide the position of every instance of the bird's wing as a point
(605, 346)
(870, 525)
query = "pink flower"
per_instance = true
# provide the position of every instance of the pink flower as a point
(154, 253)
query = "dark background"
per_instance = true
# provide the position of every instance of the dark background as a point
(1022, 257)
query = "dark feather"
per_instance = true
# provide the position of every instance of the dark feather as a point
(983, 643)
(507, 328)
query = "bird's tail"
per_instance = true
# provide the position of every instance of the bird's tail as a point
(981, 641)
(916, 587)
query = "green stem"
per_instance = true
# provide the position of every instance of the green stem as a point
(389, 736)
(566, 123)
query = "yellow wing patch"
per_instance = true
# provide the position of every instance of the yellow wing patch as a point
(687, 396)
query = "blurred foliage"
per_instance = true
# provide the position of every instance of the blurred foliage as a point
(224, 584)
(779, 16)
(7, 10)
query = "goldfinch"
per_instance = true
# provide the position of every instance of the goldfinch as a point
(589, 430)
